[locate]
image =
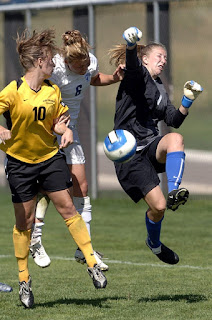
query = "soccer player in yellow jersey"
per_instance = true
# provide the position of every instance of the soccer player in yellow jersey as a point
(34, 111)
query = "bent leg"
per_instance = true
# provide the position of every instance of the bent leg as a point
(154, 217)
(76, 225)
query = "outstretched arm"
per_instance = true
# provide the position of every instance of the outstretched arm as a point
(102, 79)
(131, 36)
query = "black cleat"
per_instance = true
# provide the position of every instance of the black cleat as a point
(166, 255)
(176, 198)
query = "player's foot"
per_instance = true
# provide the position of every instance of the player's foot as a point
(79, 257)
(164, 254)
(39, 255)
(176, 198)
(98, 277)
(25, 293)
(5, 288)
(98, 256)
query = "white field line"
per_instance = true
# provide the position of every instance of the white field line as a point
(191, 155)
(154, 265)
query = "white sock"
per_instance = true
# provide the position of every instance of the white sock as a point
(42, 206)
(84, 207)
(36, 232)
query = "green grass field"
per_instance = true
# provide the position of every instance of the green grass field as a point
(139, 285)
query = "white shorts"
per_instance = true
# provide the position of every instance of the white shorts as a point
(74, 153)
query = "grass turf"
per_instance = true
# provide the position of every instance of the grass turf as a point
(139, 285)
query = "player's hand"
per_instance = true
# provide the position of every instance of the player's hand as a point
(66, 138)
(191, 91)
(5, 134)
(64, 119)
(118, 74)
(132, 35)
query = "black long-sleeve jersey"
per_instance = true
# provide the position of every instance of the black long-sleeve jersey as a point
(142, 102)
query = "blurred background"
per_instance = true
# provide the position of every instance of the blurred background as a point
(185, 29)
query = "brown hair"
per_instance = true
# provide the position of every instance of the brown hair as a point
(118, 53)
(75, 47)
(30, 48)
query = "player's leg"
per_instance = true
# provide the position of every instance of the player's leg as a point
(154, 217)
(83, 206)
(24, 213)
(37, 250)
(22, 180)
(170, 150)
(76, 161)
(77, 228)
(57, 184)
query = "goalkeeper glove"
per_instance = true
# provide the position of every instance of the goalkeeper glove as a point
(191, 91)
(132, 35)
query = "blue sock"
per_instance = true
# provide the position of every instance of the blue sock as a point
(153, 230)
(175, 162)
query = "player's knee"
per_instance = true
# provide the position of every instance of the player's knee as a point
(176, 141)
(159, 209)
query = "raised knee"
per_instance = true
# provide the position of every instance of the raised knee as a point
(177, 140)
(159, 209)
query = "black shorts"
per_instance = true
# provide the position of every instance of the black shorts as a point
(26, 179)
(140, 175)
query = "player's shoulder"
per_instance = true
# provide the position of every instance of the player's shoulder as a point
(58, 60)
(94, 66)
(93, 59)
(59, 64)
(51, 84)
(12, 87)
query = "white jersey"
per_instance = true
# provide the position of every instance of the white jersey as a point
(73, 85)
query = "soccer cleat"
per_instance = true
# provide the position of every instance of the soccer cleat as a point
(39, 255)
(79, 257)
(98, 256)
(5, 288)
(25, 293)
(176, 198)
(166, 255)
(98, 277)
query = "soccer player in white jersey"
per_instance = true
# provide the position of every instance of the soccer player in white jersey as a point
(75, 70)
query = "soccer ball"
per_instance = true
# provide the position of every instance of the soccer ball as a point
(120, 146)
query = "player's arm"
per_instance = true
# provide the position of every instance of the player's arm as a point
(61, 128)
(102, 79)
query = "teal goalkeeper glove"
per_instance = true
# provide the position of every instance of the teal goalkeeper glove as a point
(191, 91)
(132, 35)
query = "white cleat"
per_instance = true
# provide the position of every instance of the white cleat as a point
(39, 255)
(79, 257)
(98, 256)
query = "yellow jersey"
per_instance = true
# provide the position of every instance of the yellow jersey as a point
(32, 115)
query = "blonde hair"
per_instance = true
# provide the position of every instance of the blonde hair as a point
(75, 47)
(118, 52)
(30, 48)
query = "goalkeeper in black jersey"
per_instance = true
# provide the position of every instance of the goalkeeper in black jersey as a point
(141, 103)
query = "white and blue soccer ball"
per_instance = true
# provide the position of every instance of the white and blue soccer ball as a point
(120, 146)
